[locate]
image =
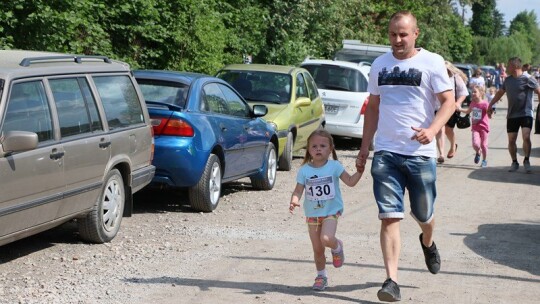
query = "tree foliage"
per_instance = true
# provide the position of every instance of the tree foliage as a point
(482, 20)
(204, 35)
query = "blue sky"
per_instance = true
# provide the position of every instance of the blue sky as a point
(510, 8)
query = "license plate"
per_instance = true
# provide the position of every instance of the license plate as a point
(330, 109)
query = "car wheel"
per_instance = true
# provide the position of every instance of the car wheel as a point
(205, 195)
(267, 178)
(103, 222)
(285, 161)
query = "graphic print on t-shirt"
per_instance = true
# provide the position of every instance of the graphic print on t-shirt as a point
(413, 77)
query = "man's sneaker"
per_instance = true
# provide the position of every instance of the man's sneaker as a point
(513, 167)
(527, 166)
(431, 254)
(389, 291)
(484, 163)
(338, 257)
(476, 158)
(321, 283)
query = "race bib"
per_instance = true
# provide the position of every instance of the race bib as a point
(476, 115)
(321, 188)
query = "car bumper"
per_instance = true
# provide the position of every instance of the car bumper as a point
(282, 141)
(177, 162)
(346, 129)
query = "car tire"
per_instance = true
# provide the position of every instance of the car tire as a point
(205, 195)
(266, 179)
(102, 223)
(285, 161)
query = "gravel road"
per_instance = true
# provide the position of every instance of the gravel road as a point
(251, 250)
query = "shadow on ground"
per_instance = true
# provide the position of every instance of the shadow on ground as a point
(154, 200)
(259, 288)
(66, 234)
(501, 175)
(514, 245)
(346, 143)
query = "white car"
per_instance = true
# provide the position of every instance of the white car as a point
(343, 88)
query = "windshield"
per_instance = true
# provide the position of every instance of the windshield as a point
(164, 91)
(260, 86)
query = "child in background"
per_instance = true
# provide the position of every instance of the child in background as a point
(490, 94)
(319, 177)
(479, 123)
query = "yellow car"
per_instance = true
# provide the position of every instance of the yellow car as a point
(294, 105)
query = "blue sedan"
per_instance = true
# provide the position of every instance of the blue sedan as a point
(206, 134)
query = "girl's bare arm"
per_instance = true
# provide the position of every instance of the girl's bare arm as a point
(295, 197)
(350, 180)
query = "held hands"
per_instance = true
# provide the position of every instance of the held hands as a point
(361, 160)
(423, 136)
(490, 111)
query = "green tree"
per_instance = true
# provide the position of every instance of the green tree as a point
(246, 26)
(482, 18)
(499, 26)
(526, 23)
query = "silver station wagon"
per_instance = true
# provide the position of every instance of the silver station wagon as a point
(75, 143)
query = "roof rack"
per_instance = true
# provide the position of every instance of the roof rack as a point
(77, 59)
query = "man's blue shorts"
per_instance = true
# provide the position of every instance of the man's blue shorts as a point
(393, 173)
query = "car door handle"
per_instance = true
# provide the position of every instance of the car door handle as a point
(56, 155)
(223, 127)
(104, 144)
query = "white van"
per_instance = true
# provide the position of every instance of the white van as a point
(356, 51)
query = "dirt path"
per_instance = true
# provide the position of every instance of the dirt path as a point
(250, 250)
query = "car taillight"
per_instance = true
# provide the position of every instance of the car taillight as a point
(364, 106)
(173, 126)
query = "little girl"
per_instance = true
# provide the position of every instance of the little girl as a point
(480, 123)
(319, 177)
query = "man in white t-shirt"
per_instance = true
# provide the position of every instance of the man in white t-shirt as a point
(406, 87)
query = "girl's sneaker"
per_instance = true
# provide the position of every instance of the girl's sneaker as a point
(484, 163)
(338, 257)
(476, 158)
(321, 283)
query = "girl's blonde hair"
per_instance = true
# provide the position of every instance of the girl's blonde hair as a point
(321, 133)
(481, 90)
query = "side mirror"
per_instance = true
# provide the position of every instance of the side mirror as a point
(259, 110)
(303, 102)
(16, 141)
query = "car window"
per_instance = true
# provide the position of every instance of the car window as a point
(76, 107)
(301, 87)
(164, 91)
(237, 107)
(333, 77)
(312, 88)
(260, 86)
(120, 101)
(28, 110)
(213, 100)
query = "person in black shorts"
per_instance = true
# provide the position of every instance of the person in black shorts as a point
(519, 89)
